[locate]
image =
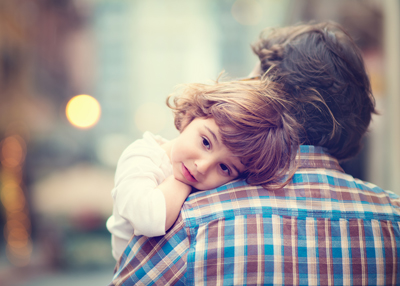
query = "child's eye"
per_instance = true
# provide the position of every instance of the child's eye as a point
(206, 143)
(225, 169)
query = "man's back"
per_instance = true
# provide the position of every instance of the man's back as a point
(323, 228)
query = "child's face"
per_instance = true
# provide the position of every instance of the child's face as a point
(199, 158)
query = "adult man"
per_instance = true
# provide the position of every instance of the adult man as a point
(324, 227)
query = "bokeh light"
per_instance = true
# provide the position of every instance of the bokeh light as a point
(12, 151)
(17, 228)
(83, 111)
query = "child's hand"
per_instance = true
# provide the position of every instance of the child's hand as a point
(175, 193)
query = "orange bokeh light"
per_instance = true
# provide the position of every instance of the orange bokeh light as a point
(17, 229)
(12, 151)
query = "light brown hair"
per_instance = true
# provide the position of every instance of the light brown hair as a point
(253, 121)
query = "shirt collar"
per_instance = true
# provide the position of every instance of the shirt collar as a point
(316, 157)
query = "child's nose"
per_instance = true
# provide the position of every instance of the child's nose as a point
(203, 165)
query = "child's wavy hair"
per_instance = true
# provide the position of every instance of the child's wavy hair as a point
(253, 121)
(322, 70)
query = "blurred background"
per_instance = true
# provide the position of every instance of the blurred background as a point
(80, 80)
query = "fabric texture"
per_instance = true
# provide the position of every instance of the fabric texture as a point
(139, 206)
(323, 228)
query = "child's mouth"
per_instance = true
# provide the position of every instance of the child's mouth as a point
(188, 175)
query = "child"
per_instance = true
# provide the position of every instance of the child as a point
(228, 130)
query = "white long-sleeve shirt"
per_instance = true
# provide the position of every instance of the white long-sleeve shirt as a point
(139, 206)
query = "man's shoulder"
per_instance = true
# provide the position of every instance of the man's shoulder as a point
(312, 192)
(227, 201)
(322, 215)
(146, 260)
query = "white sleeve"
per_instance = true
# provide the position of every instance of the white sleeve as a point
(136, 196)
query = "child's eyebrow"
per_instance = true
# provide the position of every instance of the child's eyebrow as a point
(212, 133)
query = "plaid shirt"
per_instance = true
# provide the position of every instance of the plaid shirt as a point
(323, 228)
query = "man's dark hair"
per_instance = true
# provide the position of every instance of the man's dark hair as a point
(322, 70)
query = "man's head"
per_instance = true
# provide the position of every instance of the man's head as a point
(253, 124)
(322, 70)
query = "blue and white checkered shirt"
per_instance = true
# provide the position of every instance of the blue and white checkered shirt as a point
(323, 228)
